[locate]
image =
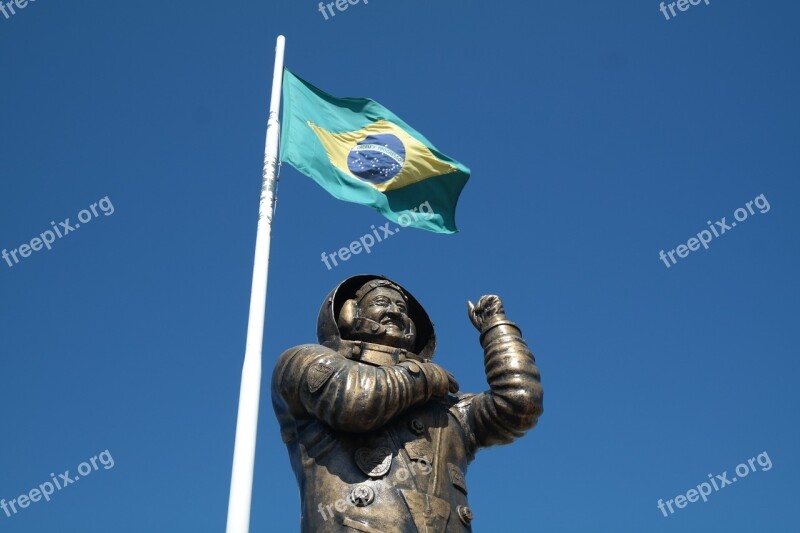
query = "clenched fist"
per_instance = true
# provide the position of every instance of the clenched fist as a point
(488, 307)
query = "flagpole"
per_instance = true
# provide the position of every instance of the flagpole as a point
(244, 452)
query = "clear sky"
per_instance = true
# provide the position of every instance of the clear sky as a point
(598, 134)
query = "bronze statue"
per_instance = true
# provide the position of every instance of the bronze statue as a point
(378, 438)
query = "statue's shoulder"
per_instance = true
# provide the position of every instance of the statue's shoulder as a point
(461, 411)
(461, 407)
(458, 402)
(305, 351)
(463, 400)
(293, 362)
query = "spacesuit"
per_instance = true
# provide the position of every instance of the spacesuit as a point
(378, 437)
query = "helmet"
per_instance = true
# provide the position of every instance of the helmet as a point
(336, 315)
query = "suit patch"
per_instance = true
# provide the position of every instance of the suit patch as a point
(430, 514)
(318, 374)
(374, 462)
(457, 477)
(419, 450)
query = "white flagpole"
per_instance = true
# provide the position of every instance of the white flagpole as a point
(244, 452)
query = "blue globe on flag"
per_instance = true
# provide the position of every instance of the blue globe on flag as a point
(377, 159)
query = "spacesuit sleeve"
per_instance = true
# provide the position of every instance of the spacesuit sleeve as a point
(348, 395)
(513, 403)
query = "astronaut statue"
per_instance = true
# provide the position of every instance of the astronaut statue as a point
(378, 437)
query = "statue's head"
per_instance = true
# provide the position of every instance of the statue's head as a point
(379, 313)
(375, 310)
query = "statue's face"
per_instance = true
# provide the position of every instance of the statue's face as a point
(387, 307)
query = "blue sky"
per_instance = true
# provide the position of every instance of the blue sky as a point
(598, 134)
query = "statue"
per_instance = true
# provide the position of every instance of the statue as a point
(378, 437)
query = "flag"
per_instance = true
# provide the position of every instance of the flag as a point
(361, 152)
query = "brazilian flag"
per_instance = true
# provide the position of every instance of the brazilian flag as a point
(361, 152)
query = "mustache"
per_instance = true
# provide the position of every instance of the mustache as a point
(397, 319)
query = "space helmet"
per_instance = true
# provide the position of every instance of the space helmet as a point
(335, 323)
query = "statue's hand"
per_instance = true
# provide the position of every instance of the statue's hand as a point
(439, 380)
(488, 307)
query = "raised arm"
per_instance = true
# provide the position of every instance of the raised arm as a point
(513, 403)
